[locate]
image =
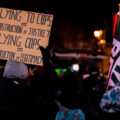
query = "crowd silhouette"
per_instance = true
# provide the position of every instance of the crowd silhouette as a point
(43, 94)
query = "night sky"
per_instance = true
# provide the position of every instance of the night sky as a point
(89, 15)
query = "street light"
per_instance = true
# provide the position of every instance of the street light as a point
(98, 34)
(100, 39)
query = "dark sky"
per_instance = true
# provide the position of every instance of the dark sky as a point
(72, 10)
(92, 14)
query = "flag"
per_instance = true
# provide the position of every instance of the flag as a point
(114, 69)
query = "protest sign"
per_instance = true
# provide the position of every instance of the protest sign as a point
(114, 70)
(21, 34)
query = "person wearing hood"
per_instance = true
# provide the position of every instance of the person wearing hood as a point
(14, 90)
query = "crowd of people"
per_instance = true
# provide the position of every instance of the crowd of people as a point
(37, 93)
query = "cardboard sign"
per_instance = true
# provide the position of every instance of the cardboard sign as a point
(21, 34)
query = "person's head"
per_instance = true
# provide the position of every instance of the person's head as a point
(14, 69)
(70, 82)
(71, 91)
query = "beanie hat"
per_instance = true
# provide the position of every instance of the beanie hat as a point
(14, 69)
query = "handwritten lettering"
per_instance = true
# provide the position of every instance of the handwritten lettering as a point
(31, 17)
(1, 13)
(10, 28)
(21, 33)
(31, 42)
(37, 32)
(11, 40)
(31, 59)
(43, 19)
(10, 14)
(7, 55)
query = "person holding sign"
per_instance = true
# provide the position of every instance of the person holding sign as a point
(15, 96)
(22, 32)
(14, 87)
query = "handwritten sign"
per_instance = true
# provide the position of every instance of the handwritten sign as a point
(21, 34)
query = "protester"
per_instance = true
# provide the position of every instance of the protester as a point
(69, 114)
(70, 100)
(93, 87)
(23, 88)
(110, 104)
(13, 90)
(49, 87)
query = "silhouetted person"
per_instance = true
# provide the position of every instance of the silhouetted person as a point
(13, 90)
(70, 99)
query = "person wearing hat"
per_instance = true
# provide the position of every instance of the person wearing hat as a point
(14, 92)
(70, 101)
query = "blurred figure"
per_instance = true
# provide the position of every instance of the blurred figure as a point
(13, 90)
(70, 100)
(24, 93)
(14, 69)
(69, 114)
(93, 88)
(110, 104)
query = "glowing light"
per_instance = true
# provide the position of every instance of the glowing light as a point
(98, 33)
(99, 50)
(75, 67)
(102, 41)
(60, 71)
